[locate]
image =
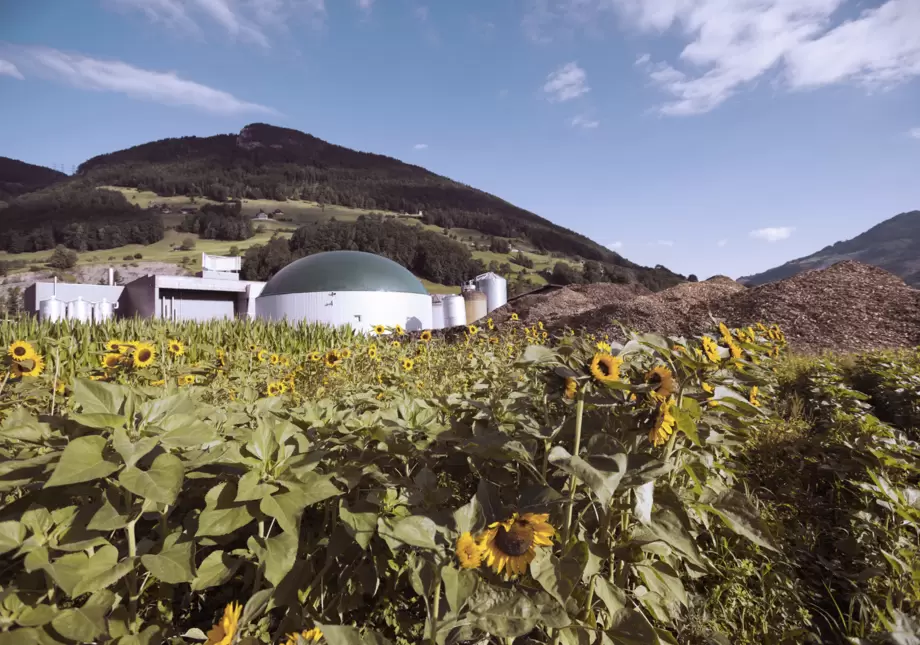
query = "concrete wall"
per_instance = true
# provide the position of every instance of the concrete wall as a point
(177, 304)
(360, 309)
(35, 293)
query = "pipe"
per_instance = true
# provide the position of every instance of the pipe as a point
(111, 277)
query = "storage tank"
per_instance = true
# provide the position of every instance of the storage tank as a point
(476, 305)
(79, 309)
(103, 310)
(496, 289)
(437, 312)
(454, 311)
(51, 309)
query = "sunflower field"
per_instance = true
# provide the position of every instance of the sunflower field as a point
(243, 483)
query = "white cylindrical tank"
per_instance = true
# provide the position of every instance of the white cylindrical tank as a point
(475, 304)
(79, 309)
(51, 309)
(496, 289)
(103, 310)
(437, 312)
(454, 311)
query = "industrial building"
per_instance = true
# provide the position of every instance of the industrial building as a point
(334, 288)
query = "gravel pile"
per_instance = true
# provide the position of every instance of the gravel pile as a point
(555, 304)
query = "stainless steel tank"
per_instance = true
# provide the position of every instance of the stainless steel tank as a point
(476, 305)
(51, 309)
(103, 310)
(454, 311)
(437, 312)
(79, 309)
(496, 289)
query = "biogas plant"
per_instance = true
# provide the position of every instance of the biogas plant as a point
(335, 288)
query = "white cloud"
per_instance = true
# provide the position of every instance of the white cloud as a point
(245, 20)
(773, 233)
(642, 60)
(420, 146)
(665, 243)
(566, 83)
(116, 76)
(721, 242)
(8, 69)
(613, 246)
(584, 122)
(365, 5)
(732, 44)
(914, 132)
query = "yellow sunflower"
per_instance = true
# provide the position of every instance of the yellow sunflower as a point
(111, 361)
(509, 546)
(661, 378)
(571, 387)
(38, 366)
(224, 631)
(664, 425)
(724, 330)
(262, 355)
(395, 343)
(345, 353)
(315, 357)
(115, 345)
(425, 336)
(332, 358)
(469, 551)
(708, 388)
(186, 379)
(604, 347)
(144, 354)
(408, 364)
(735, 350)
(157, 383)
(253, 347)
(473, 329)
(752, 397)
(711, 348)
(308, 635)
(372, 351)
(606, 368)
(273, 389)
(60, 388)
(490, 324)
(515, 317)
(21, 350)
(399, 330)
(379, 330)
(274, 359)
(176, 348)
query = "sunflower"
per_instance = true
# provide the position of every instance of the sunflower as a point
(379, 330)
(735, 350)
(408, 364)
(399, 330)
(186, 379)
(176, 348)
(425, 336)
(285, 361)
(473, 329)
(708, 388)
(372, 351)
(515, 317)
(253, 347)
(604, 347)
(606, 368)
(157, 383)
(224, 632)
(115, 345)
(144, 354)
(752, 397)
(345, 353)
(662, 380)
(332, 358)
(38, 366)
(395, 343)
(262, 355)
(273, 389)
(664, 425)
(111, 361)
(724, 330)
(60, 388)
(20, 350)
(490, 324)
(306, 635)
(509, 546)
(712, 349)
(315, 357)
(469, 551)
(571, 387)
(274, 359)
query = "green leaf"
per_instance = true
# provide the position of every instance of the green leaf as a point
(249, 488)
(131, 452)
(19, 424)
(686, 425)
(222, 515)
(468, 516)
(286, 508)
(186, 431)
(216, 569)
(36, 616)
(359, 525)
(87, 622)
(157, 410)
(255, 606)
(110, 516)
(667, 527)
(535, 354)
(161, 483)
(97, 397)
(277, 554)
(459, 585)
(602, 477)
(99, 420)
(560, 576)
(631, 627)
(28, 636)
(661, 578)
(739, 515)
(612, 596)
(81, 461)
(342, 635)
(415, 530)
(71, 571)
(173, 565)
(107, 578)
(313, 487)
(506, 613)
(12, 533)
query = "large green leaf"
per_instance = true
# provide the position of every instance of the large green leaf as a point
(667, 527)
(85, 623)
(174, 565)
(739, 515)
(612, 596)
(222, 514)
(81, 461)
(72, 570)
(161, 483)
(158, 410)
(602, 476)
(276, 555)
(506, 613)
(459, 585)
(12, 533)
(187, 431)
(313, 487)
(286, 508)
(100, 420)
(106, 578)
(111, 514)
(342, 635)
(415, 530)
(361, 525)
(251, 488)
(662, 579)
(216, 569)
(28, 636)
(560, 576)
(131, 452)
(36, 616)
(631, 627)
(93, 397)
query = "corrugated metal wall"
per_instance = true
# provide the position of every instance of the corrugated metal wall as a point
(177, 304)
(360, 309)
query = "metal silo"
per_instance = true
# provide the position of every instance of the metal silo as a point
(496, 289)
(103, 310)
(437, 312)
(475, 304)
(79, 309)
(454, 311)
(51, 309)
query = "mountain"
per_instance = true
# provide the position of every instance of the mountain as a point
(893, 245)
(18, 177)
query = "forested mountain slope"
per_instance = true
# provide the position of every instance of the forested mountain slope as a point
(18, 177)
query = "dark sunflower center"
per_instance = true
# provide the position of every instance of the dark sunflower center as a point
(19, 351)
(515, 542)
(655, 379)
(143, 355)
(604, 367)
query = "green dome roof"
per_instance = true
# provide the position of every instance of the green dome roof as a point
(343, 271)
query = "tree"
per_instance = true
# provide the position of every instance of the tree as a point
(593, 272)
(692, 278)
(187, 244)
(62, 258)
(563, 273)
(234, 251)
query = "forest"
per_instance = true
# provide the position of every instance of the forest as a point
(218, 222)
(77, 216)
(18, 177)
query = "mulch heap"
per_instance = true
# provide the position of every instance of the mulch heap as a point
(847, 307)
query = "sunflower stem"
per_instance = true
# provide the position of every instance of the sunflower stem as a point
(579, 413)
(435, 610)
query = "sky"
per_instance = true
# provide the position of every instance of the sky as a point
(709, 136)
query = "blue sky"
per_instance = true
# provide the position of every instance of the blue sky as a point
(711, 136)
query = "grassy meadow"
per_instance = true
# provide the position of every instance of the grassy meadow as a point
(245, 482)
